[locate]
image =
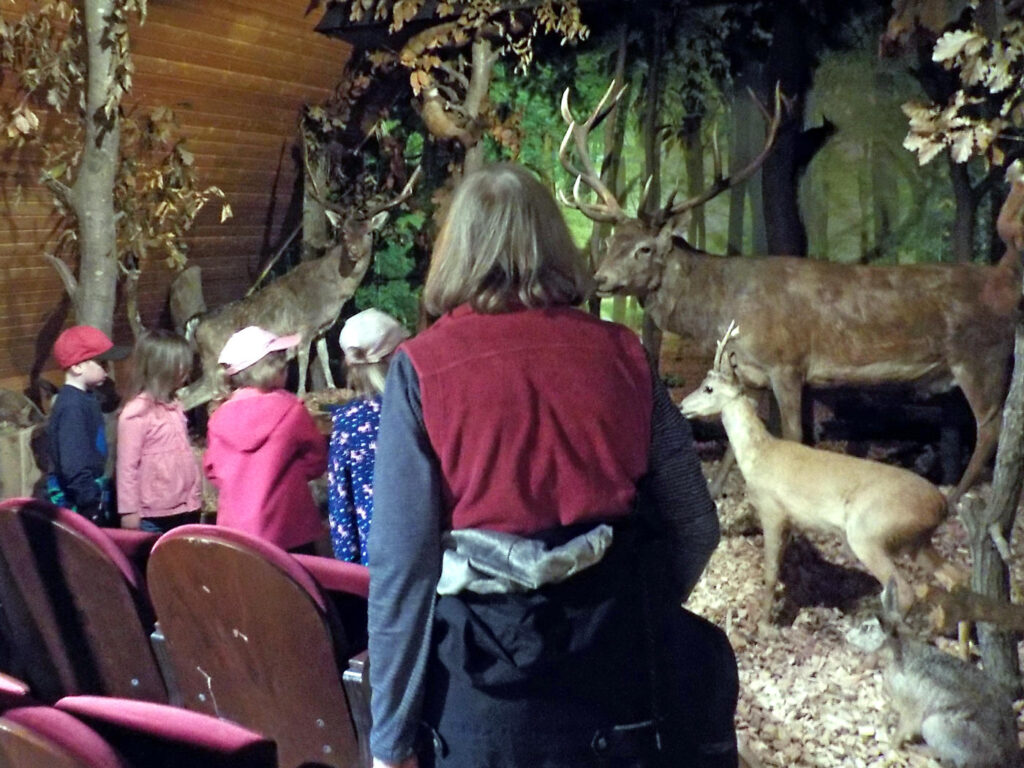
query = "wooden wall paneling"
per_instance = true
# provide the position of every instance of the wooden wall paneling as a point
(236, 73)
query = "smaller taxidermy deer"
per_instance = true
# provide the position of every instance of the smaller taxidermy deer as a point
(950, 704)
(881, 510)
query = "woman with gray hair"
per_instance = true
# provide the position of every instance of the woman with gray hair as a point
(539, 515)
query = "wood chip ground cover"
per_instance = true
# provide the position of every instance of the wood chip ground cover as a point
(807, 697)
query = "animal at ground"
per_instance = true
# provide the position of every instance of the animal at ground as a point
(307, 300)
(810, 322)
(955, 708)
(880, 510)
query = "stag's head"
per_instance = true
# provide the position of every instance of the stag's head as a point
(633, 260)
(635, 257)
(719, 387)
(358, 226)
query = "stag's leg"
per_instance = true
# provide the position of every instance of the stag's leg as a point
(774, 526)
(985, 393)
(787, 385)
(722, 473)
(198, 392)
(302, 355)
(325, 361)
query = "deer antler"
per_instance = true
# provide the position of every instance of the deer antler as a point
(402, 196)
(722, 183)
(730, 333)
(608, 209)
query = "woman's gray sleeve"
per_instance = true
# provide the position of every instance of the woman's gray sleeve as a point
(405, 563)
(674, 494)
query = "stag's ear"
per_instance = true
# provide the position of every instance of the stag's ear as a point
(665, 237)
(678, 225)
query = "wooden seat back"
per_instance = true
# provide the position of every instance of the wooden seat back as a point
(76, 617)
(251, 638)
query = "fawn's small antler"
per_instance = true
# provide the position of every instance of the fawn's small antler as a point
(730, 333)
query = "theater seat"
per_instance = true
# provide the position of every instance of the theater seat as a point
(44, 737)
(76, 617)
(252, 637)
(161, 736)
(14, 692)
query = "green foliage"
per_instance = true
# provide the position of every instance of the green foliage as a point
(697, 56)
(388, 287)
(861, 95)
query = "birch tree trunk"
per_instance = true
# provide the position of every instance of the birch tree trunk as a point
(92, 196)
(611, 174)
(476, 97)
(650, 333)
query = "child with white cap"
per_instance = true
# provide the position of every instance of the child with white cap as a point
(368, 340)
(263, 447)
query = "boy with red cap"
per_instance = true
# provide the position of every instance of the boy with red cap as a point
(78, 443)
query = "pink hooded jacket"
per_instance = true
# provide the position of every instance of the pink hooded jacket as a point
(262, 449)
(157, 473)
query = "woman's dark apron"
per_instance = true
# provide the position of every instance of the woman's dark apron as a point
(558, 677)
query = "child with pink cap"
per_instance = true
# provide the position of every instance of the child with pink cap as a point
(263, 447)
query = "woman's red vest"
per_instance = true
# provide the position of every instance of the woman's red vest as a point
(540, 418)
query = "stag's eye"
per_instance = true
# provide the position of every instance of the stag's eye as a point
(642, 250)
(708, 389)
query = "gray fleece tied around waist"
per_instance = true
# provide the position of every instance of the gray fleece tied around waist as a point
(490, 562)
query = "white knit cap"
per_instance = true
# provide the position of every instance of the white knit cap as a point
(370, 336)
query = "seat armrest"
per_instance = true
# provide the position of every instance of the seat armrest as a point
(14, 692)
(135, 545)
(337, 576)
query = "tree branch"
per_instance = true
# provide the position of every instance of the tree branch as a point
(60, 190)
(65, 275)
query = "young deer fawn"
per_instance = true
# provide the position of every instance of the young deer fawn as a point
(881, 510)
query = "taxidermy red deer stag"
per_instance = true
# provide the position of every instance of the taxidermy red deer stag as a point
(815, 322)
(880, 510)
(307, 300)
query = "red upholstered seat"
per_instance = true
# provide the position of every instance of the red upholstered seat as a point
(43, 737)
(76, 616)
(13, 692)
(156, 735)
(252, 638)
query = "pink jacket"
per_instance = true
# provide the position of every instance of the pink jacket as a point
(262, 450)
(157, 473)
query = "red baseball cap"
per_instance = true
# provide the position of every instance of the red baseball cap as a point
(83, 342)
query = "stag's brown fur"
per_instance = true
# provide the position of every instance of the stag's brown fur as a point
(814, 322)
